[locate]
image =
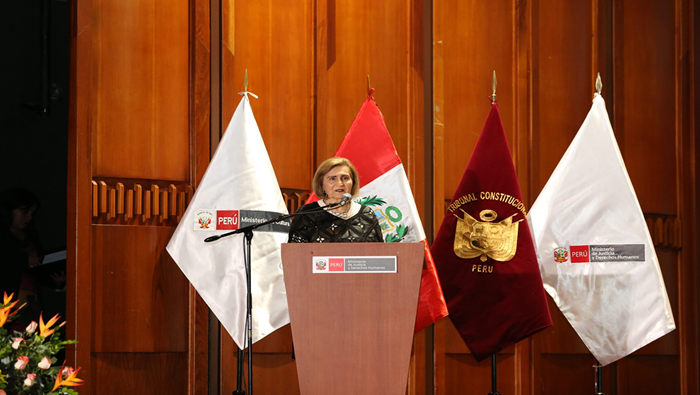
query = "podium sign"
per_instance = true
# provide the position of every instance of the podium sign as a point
(353, 264)
(353, 332)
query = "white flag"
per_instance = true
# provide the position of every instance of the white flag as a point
(238, 188)
(596, 255)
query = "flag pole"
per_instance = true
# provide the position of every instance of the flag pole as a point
(370, 90)
(494, 365)
(248, 328)
(493, 85)
(249, 300)
(598, 368)
(494, 390)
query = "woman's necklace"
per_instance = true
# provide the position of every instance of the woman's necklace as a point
(343, 214)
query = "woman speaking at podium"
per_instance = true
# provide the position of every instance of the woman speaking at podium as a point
(335, 218)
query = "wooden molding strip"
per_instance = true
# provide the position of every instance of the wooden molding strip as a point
(129, 202)
(154, 203)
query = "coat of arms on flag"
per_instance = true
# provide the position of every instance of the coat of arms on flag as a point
(496, 240)
(393, 229)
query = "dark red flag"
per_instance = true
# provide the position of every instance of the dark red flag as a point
(484, 253)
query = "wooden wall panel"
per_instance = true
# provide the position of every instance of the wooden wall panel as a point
(79, 228)
(200, 132)
(571, 374)
(141, 89)
(274, 370)
(562, 88)
(273, 40)
(472, 39)
(417, 152)
(140, 294)
(469, 47)
(357, 39)
(689, 282)
(645, 99)
(645, 75)
(128, 303)
(464, 376)
(140, 373)
(643, 374)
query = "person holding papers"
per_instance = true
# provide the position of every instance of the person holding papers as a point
(335, 218)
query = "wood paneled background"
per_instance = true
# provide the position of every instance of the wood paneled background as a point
(147, 77)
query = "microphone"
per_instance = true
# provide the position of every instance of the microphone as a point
(343, 201)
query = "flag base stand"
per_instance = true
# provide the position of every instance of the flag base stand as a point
(239, 376)
(598, 368)
(494, 391)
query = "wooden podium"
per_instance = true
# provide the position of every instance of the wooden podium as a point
(352, 332)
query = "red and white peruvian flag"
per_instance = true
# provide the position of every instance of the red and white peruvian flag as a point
(385, 188)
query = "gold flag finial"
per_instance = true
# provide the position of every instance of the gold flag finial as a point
(493, 84)
(598, 84)
(245, 81)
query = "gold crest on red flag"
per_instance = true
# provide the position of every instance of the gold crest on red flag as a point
(496, 240)
(484, 253)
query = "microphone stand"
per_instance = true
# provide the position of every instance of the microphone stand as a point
(248, 234)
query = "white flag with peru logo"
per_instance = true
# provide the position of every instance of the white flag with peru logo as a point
(239, 188)
(596, 255)
(384, 187)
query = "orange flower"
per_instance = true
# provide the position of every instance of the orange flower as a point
(17, 309)
(70, 381)
(45, 329)
(5, 311)
(6, 299)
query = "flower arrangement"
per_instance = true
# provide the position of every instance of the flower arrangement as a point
(27, 358)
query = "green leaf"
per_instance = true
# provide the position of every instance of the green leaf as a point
(372, 201)
(401, 232)
(391, 239)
